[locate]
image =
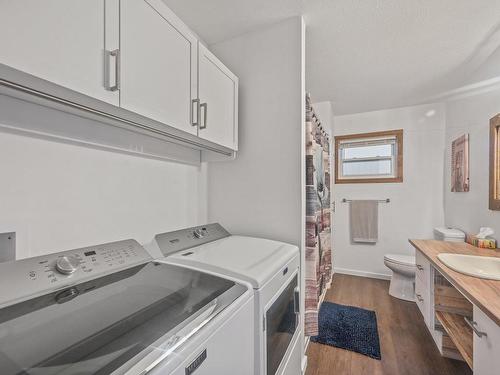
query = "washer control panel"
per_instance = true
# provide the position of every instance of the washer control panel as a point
(172, 242)
(58, 270)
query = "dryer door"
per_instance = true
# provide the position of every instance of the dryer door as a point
(282, 321)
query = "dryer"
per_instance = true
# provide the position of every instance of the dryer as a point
(271, 267)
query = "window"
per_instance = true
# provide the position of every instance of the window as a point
(369, 157)
(495, 163)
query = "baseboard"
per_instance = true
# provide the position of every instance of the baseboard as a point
(372, 275)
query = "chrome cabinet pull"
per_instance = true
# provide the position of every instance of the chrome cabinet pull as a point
(195, 102)
(419, 297)
(419, 267)
(107, 73)
(473, 325)
(204, 106)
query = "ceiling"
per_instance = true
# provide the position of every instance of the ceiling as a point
(366, 55)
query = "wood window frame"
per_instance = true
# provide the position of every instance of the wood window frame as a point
(398, 134)
(494, 163)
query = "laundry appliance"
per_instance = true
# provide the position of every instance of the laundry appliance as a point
(271, 267)
(112, 309)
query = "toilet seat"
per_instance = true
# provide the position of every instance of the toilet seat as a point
(406, 260)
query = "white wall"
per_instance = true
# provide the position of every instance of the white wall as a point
(60, 196)
(471, 114)
(416, 205)
(259, 194)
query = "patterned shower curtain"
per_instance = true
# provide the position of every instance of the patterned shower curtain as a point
(318, 218)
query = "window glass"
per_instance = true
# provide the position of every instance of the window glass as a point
(367, 168)
(368, 151)
(369, 157)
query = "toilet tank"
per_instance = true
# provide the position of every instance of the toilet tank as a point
(449, 234)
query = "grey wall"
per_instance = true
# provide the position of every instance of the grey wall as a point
(259, 194)
(416, 205)
(469, 211)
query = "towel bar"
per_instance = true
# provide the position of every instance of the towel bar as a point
(378, 200)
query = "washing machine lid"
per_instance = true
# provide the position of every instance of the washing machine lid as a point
(125, 318)
(251, 259)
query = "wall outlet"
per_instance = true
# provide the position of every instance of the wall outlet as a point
(7, 246)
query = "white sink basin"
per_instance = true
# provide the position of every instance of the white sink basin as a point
(472, 265)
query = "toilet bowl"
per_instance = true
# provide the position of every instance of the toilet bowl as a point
(403, 275)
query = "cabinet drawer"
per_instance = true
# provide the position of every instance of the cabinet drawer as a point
(423, 268)
(422, 298)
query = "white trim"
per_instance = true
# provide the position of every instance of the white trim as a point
(306, 342)
(373, 275)
(304, 364)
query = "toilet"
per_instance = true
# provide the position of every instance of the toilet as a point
(403, 275)
(403, 266)
(449, 234)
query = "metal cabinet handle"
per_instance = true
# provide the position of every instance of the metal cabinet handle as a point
(195, 102)
(419, 267)
(473, 325)
(419, 297)
(204, 106)
(107, 73)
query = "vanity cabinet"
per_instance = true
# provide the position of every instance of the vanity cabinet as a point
(61, 41)
(459, 327)
(218, 94)
(486, 344)
(423, 293)
(158, 77)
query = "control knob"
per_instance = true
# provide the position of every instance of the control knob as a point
(198, 233)
(67, 264)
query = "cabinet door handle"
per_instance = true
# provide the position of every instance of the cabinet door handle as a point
(419, 297)
(419, 267)
(195, 103)
(473, 325)
(107, 73)
(204, 107)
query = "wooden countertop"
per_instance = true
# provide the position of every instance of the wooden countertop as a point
(483, 293)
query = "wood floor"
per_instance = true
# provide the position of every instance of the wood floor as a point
(406, 345)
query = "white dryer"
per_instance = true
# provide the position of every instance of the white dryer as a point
(271, 267)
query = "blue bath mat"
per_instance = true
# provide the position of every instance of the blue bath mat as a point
(350, 328)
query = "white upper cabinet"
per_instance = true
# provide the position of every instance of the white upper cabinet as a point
(218, 93)
(134, 54)
(158, 64)
(61, 41)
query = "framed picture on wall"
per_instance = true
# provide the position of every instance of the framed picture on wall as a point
(460, 164)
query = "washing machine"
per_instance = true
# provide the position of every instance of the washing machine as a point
(112, 309)
(271, 267)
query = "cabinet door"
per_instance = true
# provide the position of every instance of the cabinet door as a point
(158, 63)
(218, 93)
(422, 298)
(61, 41)
(486, 348)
